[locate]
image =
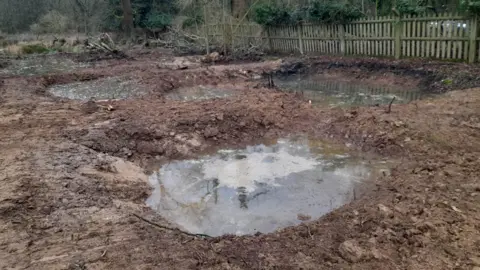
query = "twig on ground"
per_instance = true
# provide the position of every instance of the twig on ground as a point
(390, 105)
(309, 232)
(170, 229)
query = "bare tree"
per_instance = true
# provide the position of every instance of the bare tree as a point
(127, 18)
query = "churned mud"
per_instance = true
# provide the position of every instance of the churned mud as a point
(81, 179)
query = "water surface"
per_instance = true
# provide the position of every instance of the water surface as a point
(105, 88)
(200, 92)
(41, 65)
(257, 189)
(326, 91)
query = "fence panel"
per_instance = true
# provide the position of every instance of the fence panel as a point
(445, 36)
(370, 36)
(441, 36)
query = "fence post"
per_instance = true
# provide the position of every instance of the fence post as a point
(472, 48)
(300, 37)
(341, 32)
(270, 45)
(205, 23)
(398, 37)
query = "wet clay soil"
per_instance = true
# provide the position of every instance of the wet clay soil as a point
(74, 173)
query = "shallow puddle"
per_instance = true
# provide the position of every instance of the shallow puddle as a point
(198, 93)
(326, 91)
(105, 88)
(257, 189)
(40, 66)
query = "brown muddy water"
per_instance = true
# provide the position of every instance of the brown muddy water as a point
(260, 188)
(327, 91)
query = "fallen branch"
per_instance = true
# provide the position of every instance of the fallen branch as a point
(171, 229)
(390, 105)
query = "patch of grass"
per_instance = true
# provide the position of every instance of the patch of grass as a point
(447, 81)
(34, 48)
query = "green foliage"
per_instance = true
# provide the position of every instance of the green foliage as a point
(158, 20)
(332, 12)
(406, 7)
(447, 81)
(146, 14)
(269, 14)
(34, 48)
(317, 11)
(471, 7)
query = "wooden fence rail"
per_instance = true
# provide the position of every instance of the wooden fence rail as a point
(442, 36)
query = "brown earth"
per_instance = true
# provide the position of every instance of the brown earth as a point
(70, 200)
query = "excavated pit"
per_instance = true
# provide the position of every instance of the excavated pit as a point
(324, 90)
(41, 65)
(258, 189)
(104, 88)
(200, 92)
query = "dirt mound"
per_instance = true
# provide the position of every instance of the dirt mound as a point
(175, 129)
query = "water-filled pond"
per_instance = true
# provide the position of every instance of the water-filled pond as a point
(257, 189)
(105, 88)
(40, 65)
(327, 91)
(200, 92)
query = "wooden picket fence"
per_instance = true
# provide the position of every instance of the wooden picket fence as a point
(441, 36)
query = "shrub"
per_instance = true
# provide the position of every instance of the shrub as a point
(332, 12)
(405, 7)
(158, 20)
(52, 22)
(34, 48)
(472, 8)
(317, 11)
(270, 14)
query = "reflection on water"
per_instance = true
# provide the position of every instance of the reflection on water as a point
(106, 88)
(198, 93)
(40, 66)
(257, 189)
(340, 93)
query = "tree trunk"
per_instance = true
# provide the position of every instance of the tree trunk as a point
(127, 18)
(239, 8)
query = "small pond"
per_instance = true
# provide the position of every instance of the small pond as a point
(40, 65)
(200, 92)
(327, 91)
(258, 189)
(105, 88)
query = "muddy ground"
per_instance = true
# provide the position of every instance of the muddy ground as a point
(74, 173)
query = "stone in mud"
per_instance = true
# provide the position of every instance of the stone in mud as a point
(351, 251)
(89, 107)
(210, 132)
(146, 147)
(385, 211)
